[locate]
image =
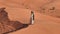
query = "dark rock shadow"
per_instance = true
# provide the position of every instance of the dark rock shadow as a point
(4, 20)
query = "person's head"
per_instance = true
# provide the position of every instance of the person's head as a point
(32, 12)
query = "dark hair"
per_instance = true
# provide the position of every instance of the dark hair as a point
(32, 12)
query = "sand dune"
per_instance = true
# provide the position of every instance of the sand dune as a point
(20, 10)
(43, 25)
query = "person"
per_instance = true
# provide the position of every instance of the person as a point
(32, 18)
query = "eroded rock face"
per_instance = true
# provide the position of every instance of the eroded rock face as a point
(6, 25)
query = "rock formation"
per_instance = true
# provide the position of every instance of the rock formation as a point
(6, 25)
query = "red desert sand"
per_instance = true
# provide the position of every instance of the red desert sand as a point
(47, 15)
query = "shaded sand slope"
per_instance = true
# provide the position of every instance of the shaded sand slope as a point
(22, 15)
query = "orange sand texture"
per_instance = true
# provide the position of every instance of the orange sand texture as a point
(45, 23)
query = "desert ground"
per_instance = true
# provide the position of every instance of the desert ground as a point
(47, 15)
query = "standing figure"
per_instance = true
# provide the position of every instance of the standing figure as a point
(32, 18)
